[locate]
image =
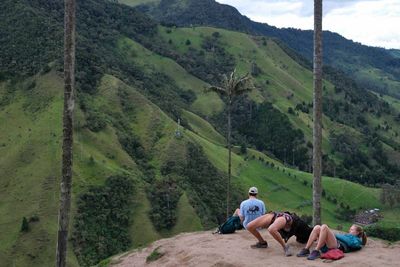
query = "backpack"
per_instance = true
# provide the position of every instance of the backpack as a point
(230, 226)
(333, 254)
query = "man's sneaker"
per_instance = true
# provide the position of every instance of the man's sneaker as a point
(288, 252)
(315, 254)
(303, 252)
(260, 245)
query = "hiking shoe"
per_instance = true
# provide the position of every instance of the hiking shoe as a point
(303, 252)
(315, 254)
(288, 251)
(260, 245)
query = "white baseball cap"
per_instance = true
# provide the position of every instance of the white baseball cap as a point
(253, 190)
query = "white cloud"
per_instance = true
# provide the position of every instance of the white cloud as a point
(371, 22)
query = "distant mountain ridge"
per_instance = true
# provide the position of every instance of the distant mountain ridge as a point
(375, 68)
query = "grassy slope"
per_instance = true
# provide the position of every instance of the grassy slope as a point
(203, 128)
(284, 189)
(30, 170)
(156, 131)
(30, 151)
(289, 83)
(376, 76)
(393, 132)
(31, 161)
(205, 104)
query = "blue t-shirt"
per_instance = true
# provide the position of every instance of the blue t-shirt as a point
(349, 241)
(251, 209)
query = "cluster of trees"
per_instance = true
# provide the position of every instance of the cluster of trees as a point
(30, 38)
(210, 62)
(130, 142)
(267, 129)
(102, 220)
(40, 23)
(204, 184)
(192, 12)
(164, 195)
(369, 166)
(206, 188)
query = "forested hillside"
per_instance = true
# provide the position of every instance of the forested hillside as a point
(374, 68)
(139, 175)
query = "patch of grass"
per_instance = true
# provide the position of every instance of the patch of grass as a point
(104, 263)
(203, 128)
(155, 255)
(188, 220)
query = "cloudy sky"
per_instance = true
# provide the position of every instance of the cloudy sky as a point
(371, 22)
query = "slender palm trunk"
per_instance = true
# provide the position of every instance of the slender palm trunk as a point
(228, 186)
(317, 133)
(66, 180)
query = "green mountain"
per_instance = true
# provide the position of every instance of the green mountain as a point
(373, 68)
(138, 175)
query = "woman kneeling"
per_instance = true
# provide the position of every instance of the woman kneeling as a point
(273, 221)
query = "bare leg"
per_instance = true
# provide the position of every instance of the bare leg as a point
(262, 221)
(274, 228)
(327, 237)
(313, 236)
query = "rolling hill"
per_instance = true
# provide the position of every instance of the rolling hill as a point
(135, 79)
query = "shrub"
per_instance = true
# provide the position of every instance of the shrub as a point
(95, 121)
(24, 225)
(387, 233)
(155, 255)
(216, 34)
(34, 218)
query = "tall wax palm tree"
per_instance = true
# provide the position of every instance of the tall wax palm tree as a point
(232, 86)
(69, 83)
(317, 132)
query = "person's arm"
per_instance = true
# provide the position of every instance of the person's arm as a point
(241, 213)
